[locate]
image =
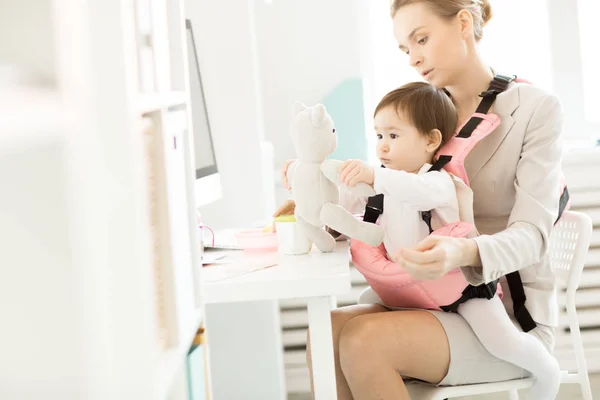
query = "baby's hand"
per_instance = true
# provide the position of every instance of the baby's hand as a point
(353, 172)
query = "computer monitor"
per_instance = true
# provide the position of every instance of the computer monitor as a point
(207, 187)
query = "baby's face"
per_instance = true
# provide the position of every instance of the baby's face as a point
(400, 146)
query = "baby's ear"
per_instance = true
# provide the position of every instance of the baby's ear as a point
(434, 140)
(318, 115)
(298, 108)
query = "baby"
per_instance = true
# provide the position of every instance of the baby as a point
(411, 124)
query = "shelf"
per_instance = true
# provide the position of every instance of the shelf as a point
(30, 114)
(149, 102)
(173, 359)
(71, 118)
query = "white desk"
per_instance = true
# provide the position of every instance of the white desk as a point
(315, 276)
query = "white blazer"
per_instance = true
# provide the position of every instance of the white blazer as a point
(515, 176)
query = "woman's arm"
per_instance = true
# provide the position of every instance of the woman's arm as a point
(525, 240)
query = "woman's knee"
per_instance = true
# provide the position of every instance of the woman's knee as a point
(339, 318)
(356, 343)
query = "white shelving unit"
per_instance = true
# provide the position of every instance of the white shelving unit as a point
(99, 265)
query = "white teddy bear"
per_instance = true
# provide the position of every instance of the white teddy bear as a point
(315, 181)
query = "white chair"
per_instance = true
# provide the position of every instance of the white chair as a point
(569, 243)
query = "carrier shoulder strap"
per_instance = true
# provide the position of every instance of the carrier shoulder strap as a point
(437, 166)
(515, 284)
(498, 85)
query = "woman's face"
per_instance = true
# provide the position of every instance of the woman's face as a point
(436, 47)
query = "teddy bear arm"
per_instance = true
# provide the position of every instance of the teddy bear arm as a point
(331, 170)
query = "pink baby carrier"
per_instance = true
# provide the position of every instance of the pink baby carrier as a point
(393, 284)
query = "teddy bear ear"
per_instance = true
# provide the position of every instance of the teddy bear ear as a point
(298, 107)
(318, 115)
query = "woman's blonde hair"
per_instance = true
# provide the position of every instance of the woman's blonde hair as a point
(481, 10)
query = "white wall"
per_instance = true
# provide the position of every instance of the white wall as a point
(305, 49)
(26, 48)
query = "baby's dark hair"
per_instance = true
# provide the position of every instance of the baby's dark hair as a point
(427, 108)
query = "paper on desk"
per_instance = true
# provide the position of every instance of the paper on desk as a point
(214, 257)
(237, 267)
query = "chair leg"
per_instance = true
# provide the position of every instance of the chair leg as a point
(513, 395)
(582, 370)
(586, 389)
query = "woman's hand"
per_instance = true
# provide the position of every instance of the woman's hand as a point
(353, 172)
(287, 208)
(284, 170)
(435, 256)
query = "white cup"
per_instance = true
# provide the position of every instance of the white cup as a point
(292, 241)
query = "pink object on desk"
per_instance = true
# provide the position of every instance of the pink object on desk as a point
(255, 240)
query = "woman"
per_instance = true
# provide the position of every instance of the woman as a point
(514, 174)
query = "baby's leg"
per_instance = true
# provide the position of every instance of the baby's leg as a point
(336, 217)
(322, 239)
(501, 338)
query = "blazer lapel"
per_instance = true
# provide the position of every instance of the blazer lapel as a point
(505, 105)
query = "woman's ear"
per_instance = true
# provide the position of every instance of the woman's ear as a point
(465, 20)
(434, 140)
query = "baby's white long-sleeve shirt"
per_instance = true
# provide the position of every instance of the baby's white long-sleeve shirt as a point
(406, 194)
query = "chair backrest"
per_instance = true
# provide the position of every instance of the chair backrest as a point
(569, 245)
